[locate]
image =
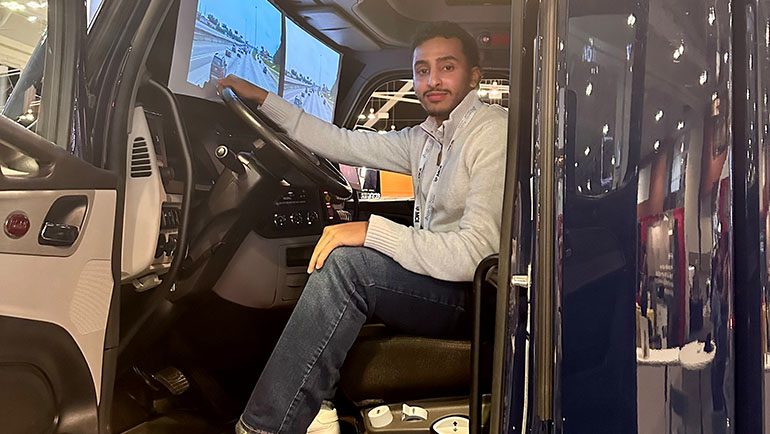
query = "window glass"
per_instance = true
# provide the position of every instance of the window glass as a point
(644, 98)
(22, 28)
(394, 106)
(92, 7)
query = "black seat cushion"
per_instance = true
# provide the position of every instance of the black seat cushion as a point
(387, 367)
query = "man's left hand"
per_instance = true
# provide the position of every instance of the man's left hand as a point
(345, 234)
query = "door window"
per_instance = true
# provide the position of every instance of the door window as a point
(23, 27)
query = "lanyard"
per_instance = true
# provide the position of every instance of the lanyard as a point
(423, 221)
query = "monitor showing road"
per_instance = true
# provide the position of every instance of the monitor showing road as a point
(311, 73)
(220, 37)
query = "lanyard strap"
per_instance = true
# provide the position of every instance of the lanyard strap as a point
(423, 221)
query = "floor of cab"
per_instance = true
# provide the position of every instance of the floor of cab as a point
(179, 423)
(221, 348)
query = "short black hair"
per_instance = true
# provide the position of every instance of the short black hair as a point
(447, 29)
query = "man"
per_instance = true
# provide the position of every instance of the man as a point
(414, 279)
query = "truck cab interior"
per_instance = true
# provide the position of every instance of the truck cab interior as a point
(222, 210)
(156, 234)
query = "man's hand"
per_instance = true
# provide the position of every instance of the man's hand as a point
(242, 88)
(344, 234)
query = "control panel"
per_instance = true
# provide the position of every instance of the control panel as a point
(169, 233)
(296, 211)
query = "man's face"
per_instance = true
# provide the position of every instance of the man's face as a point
(442, 76)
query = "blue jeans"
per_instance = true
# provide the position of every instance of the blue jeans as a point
(356, 284)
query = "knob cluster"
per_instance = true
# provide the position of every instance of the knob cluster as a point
(296, 219)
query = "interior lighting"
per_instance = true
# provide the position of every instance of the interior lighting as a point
(589, 88)
(658, 115)
(14, 6)
(392, 127)
(712, 16)
(631, 20)
(679, 51)
(681, 147)
(605, 129)
(576, 164)
(580, 188)
(680, 125)
(767, 33)
(587, 151)
(703, 78)
(588, 184)
(482, 93)
(726, 57)
(715, 95)
(612, 160)
(494, 93)
(371, 113)
(656, 145)
(362, 116)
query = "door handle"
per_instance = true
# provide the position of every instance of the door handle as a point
(58, 234)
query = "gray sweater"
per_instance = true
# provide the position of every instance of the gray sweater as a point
(464, 225)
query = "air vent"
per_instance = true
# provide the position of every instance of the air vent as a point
(140, 159)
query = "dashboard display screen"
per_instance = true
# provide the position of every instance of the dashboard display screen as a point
(220, 37)
(311, 74)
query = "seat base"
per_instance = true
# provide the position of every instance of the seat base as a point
(386, 367)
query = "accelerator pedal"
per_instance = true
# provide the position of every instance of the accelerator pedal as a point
(172, 379)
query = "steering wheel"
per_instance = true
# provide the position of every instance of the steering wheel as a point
(317, 169)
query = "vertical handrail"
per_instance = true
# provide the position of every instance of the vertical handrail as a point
(509, 200)
(477, 339)
(544, 297)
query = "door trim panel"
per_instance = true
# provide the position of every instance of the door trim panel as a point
(47, 351)
(73, 292)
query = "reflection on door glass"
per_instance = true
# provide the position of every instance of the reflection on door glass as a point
(600, 58)
(762, 132)
(647, 217)
(22, 27)
(393, 106)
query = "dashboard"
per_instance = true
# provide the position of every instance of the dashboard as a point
(261, 221)
(277, 222)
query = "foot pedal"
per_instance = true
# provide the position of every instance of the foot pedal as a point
(172, 379)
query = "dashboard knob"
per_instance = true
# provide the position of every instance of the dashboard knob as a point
(279, 221)
(297, 218)
(229, 160)
(312, 217)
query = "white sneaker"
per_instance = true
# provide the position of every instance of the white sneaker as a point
(326, 421)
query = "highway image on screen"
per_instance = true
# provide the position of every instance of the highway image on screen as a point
(311, 73)
(237, 37)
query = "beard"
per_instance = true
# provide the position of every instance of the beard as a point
(442, 109)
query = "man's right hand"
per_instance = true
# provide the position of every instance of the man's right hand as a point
(242, 88)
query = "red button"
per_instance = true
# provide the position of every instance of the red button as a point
(17, 225)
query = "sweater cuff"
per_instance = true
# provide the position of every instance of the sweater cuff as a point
(382, 235)
(276, 108)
